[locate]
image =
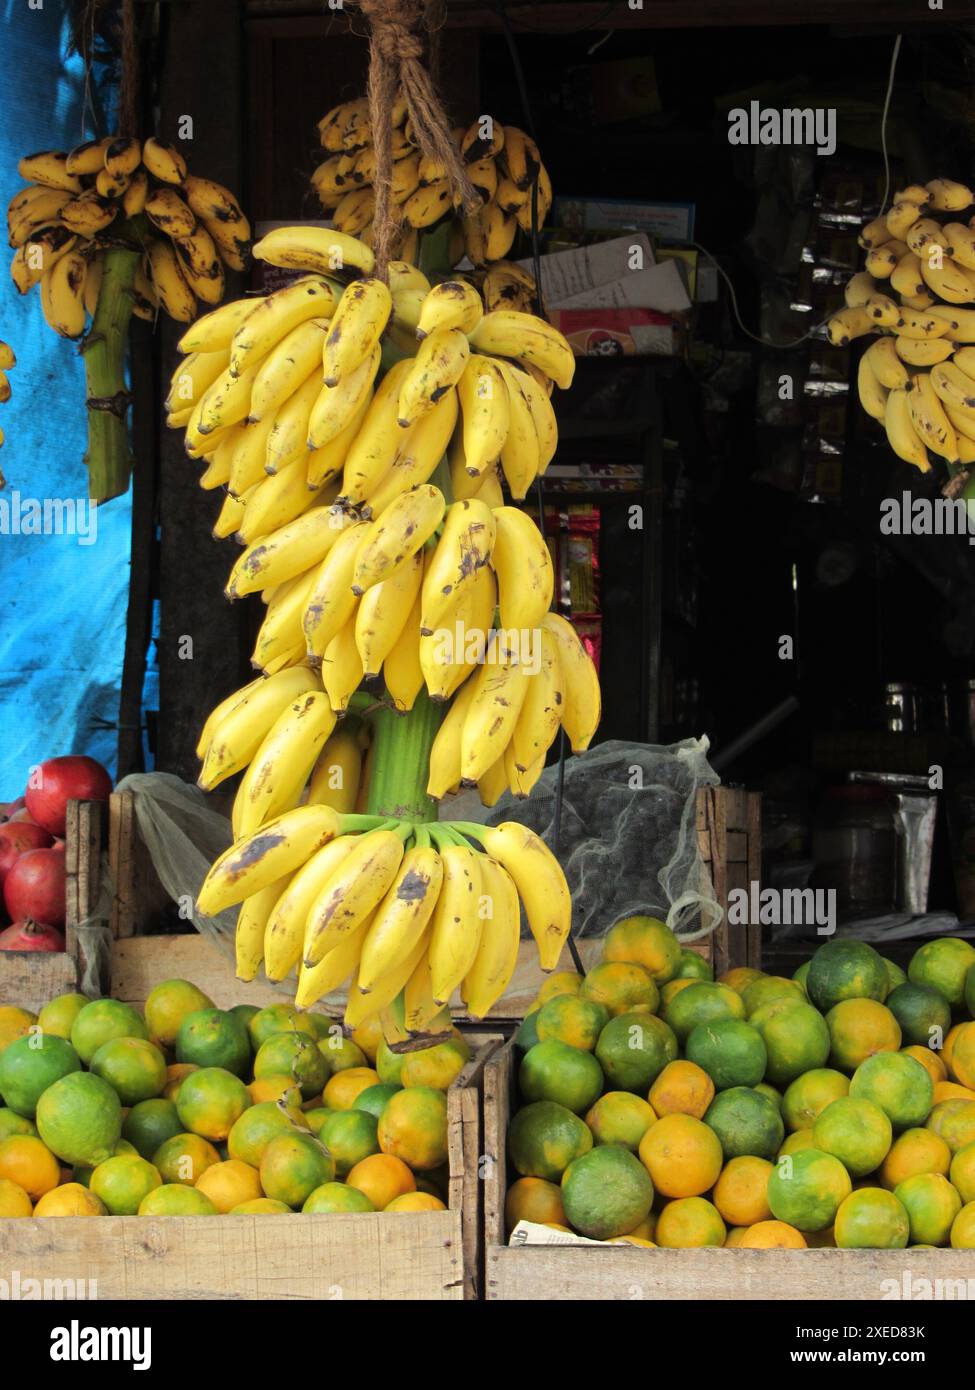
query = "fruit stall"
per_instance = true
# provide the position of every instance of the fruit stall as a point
(492, 797)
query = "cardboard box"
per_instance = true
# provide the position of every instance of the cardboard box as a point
(625, 332)
(665, 221)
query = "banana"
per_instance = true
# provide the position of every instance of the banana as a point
(901, 434)
(281, 766)
(280, 640)
(497, 951)
(335, 777)
(490, 491)
(858, 289)
(86, 158)
(500, 688)
(543, 414)
(276, 316)
(383, 613)
(929, 419)
(166, 210)
(484, 139)
(332, 970)
(926, 233)
(520, 781)
(508, 333)
(50, 170)
(362, 1004)
(8, 359)
(164, 162)
(332, 602)
(357, 325)
(427, 204)
(459, 642)
(886, 365)
(231, 242)
(169, 282)
(884, 311)
(230, 516)
(541, 713)
(963, 425)
(906, 277)
(398, 534)
(287, 366)
(493, 785)
(352, 893)
(418, 455)
(523, 566)
(964, 359)
(923, 352)
(520, 452)
(520, 157)
(285, 924)
(278, 848)
(438, 365)
(947, 196)
(960, 242)
(464, 547)
(882, 261)
(192, 377)
(292, 549)
(214, 332)
(314, 248)
(913, 193)
(873, 234)
(43, 207)
(336, 405)
(402, 672)
(455, 926)
(949, 280)
(445, 753)
(247, 455)
(953, 386)
(39, 254)
(251, 925)
(483, 396)
(483, 175)
(406, 311)
(225, 402)
(239, 728)
(280, 498)
(334, 177)
(404, 276)
(342, 668)
(961, 322)
(924, 300)
(901, 218)
(540, 883)
(379, 439)
(920, 324)
(354, 211)
(451, 304)
(507, 286)
(63, 295)
(847, 324)
(202, 265)
(402, 917)
(580, 683)
(873, 395)
(326, 463)
(211, 202)
(421, 1014)
(288, 437)
(111, 185)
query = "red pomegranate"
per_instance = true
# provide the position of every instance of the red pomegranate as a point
(16, 837)
(29, 935)
(59, 780)
(7, 808)
(35, 887)
(22, 816)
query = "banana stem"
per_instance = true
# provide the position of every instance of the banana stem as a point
(352, 823)
(109, 459)
(401, 761)
(468, 828)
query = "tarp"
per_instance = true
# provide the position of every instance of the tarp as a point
(63, 602)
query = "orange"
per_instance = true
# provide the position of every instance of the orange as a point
(254, 1130)
(416, 1201)
(619, 1117)
(915, 1151)
(950, 1090)
(344, 1088)
(29, 1163)
(568, 1018)
(337, 1196)
(70, 1199)
(931, 1204)
(871, 1218)
(339, 1051)
(772, 1235)
(673, 987)
(948, 1046)
(58, 1014)
(682, 1156)
(210, 1101)
(533, 1199)
(856, 1131)
(292, 1054)
(229, 1183)
(369, 1034)
(798, 1139)
(740, 1194)
(644, 941)
(690, 1222)
(261, 1206)
(954, 1120)
(437, 1066)
(963, 1229)
(278, 1018)
(122, 1181)
(562, 982)
(857, 1029)
(809, 1095)
(382, 1177)
(735, 1237)
(413, 1127)
(739, 978)
(929, 1059)
(293, 1165)
(14, 1201)
(14, 1023)
(176, 1074)
(184, 1158)
(133, 1067)
(963, 1055)
(963, 1173)
(682, 1088)
(168, 1004)
(270, 1088)
(620, 987)
(176, 1199)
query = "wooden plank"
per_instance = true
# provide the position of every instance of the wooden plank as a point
(139, 901)
(30, 978)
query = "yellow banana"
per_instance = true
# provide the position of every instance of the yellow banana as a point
(541, 713)
(500, 687)
(280, 498)
(963, 425)
(136, 193)
(337, 405)
(455, 926)
(884, 311)
(947, 196)
(961, 243)
(920, 324)
(354, 211)
(873, 396)
(954, 387)
(924, 233)
(352, 893)
(87, 158)
(464, 547)
(483, 396)
(163, 161)
(886, 365)
(418, 455)
(335, 777)
(445, 752)
(325, 464)
(427, 204)
(332, 970)
(948, 280)
(438, 365)
(523, 566)
(281, 766)
(882, 261)
(214, 332)
(288, 438)
(961, 322)
(357, 325)
(342, 668)
(278, 848)
(508, 333)
(248, 455)
(520, 452)
(901, 218)
(166, 210)
(192, 377)
(276, 316)
(858, 289)
(847, 324)
(964, 360)
(229, 518)
(580, 683)
(284, 932)
(923, 352)
(906, 278)
(38, 254)
(402, 672)
(63, 295)
(459, 642)
(280, 640)
(293, 549)
(50, 170)
(379, 439)
(492, 786)
(398, 533)
(383, 613)
(227, 400)
(932, 425)
(241, 729)
(507, 286)
(497, 950)
(314, 248)
(540, 883)
(213, 203)
(362, 1005)
(332, 602)
(520, 781)
(232, 242)
(251, 923)
(901, 434)
(402, 916)
(169, 282)
(286, 367)
(421, 1012)
(451, 304)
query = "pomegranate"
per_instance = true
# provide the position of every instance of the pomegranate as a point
(29, 935)
(7, 808)
(16, 837)
(23, 816)
(35, 887)
(60, 780)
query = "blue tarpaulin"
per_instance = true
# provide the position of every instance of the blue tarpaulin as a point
(63, 601)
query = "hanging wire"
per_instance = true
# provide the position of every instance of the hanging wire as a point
(883, 121)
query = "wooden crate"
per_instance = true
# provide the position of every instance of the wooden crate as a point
(544, 1273)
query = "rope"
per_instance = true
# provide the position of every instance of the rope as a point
(395, 64)
(128, 91)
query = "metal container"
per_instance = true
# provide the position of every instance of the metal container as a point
(855, 850)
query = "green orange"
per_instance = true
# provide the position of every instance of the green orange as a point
(644, 941)
(962, 1173)
(340, 1052)
(693, 966)
(544, 1138)
(855, 1131)
(731, 1051)
(29, 1065)
(962, 1056)
(770, 989)
(58, 1015)
(168, 1004)
(176, 1199)
(210, 1101)
(278, 1018)
(898, 1084)
(214, 1038)
(184, 1158)
(413, 1127)
(337, 1197)
(606, 1192)
(438, 1066)
(149, 1124)
(254, 1130)
(293, 1165)
(619, 987)
(619, 1117)
(349, 1136)
(923, 1013)
(102, 1020)
(943, 964)
(810, 1093)
(806, 1189)
(963, 1230)
(931, 1204)
(845, 969)
(12, 1123)
(796, 1039)
(79, 1118)
(375, 1098)
(572, 1019)
(562, 982)
(133, 1067)
(745, 1122)
(702, 1002)
(633, 1050)
(871, 1218)
(953, 1120)
(123, 1181)
(555, 1071)
(293, 1054)
(857, 1029)
(14, 1023)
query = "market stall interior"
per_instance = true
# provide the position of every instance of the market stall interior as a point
(546, 709)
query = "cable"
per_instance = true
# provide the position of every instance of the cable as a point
(883, 120)
(755, 337)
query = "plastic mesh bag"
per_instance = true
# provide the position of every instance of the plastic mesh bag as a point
(628, 840)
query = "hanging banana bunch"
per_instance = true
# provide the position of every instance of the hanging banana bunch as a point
(917, 294)
(503, 164)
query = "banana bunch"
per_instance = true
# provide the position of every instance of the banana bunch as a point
(7, 360)
(191, 228)
(503, 164)
(390, 907)
(917, 294)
